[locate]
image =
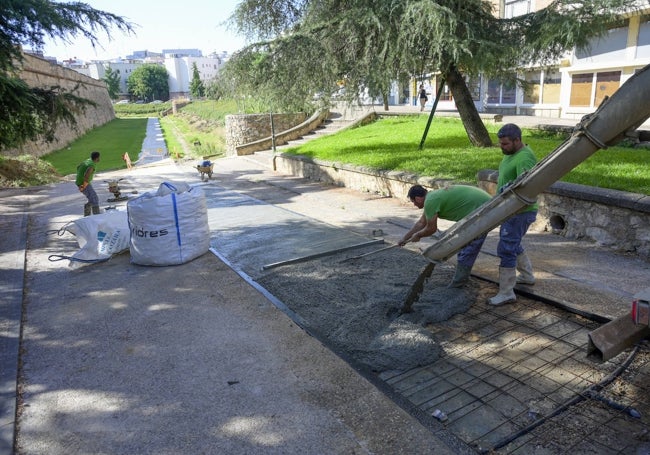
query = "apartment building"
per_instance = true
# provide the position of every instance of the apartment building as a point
(181, 68)
(97, 70)
(177, 62)
(573, 86)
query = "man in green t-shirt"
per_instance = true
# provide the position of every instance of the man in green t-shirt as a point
(453, 204)
(85, 173)
(517, 159)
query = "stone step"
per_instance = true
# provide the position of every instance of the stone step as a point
(333, 124)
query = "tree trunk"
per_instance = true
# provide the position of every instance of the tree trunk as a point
(384, 97)
(474, 126)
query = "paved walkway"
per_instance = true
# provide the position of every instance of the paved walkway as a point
(153, 147)
(196, 358)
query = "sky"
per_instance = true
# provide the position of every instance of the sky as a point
(181, 24)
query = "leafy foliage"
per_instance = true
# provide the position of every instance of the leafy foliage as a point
(149, 82)
(367, 44)
(141, 110)
(32, 113)
(197, 90)
(112, 79)
(259, 74)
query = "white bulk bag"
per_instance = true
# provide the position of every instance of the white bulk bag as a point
(100, 236)
(170, 226)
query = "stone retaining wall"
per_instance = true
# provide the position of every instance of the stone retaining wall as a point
(37, 72)
(284, 137)
(248, 128)
(611, 218)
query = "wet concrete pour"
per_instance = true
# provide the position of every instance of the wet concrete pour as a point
(497, 373)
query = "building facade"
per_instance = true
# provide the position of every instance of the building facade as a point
(573, 86)
(181, 70)
(177, 62)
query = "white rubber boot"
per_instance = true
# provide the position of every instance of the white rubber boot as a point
(525, 269)
(507, 278)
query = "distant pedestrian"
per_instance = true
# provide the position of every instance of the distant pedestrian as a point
(517, 159)
(85, 173)
(423, 97)
(453, 204)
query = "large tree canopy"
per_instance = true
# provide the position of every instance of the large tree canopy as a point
(30, 113)
(149, 82)
(369, 43)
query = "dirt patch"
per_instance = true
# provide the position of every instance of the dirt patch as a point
(26, 170)
(356, 305)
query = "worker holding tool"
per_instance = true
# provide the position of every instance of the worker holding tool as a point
(517, 159)
(85, 174)
(452, 204)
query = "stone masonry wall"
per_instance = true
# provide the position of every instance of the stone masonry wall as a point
(37, 72)
(610, 218)
(242, 129)
(615, 219)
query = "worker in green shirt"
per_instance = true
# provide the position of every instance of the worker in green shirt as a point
(85, 173)
(453, 203)
(517, 159)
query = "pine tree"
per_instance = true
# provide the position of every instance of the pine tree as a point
(112, 79)
(197, 89)
(304, 46)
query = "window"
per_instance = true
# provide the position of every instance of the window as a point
(494, 91)
(611, 46)
(606, 84)
(514, 8)
(533, 87)
(601, 85)
(501, 92)
(508, 93)
(581, 89)
(552, 84)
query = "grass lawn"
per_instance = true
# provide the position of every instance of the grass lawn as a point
(112, 140)
(392, 143)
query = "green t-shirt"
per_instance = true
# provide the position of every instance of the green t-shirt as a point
(454, 203)
(514, 165)
(81, 171)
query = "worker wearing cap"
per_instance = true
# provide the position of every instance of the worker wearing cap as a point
(517, 159)
(453, 204)
(85, 174)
